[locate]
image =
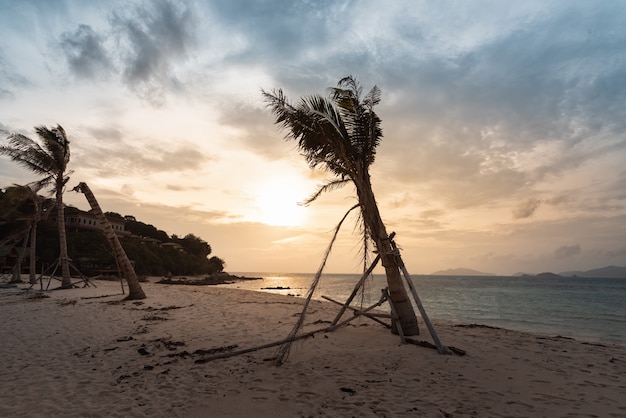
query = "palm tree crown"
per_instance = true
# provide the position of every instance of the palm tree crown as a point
(49, 160)
(338, 133)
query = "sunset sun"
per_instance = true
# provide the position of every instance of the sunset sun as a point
(277, 205)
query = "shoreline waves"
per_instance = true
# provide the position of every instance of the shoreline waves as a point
(86, 352)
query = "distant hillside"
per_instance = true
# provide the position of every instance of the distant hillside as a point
(544, 275)
(609, 272)
(460, 272)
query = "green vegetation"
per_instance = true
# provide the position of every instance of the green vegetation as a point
(91, 254)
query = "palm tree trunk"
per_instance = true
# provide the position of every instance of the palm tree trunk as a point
(32, 276)
(17, 270)
(378, 232)
(128, 272)
(66, 280)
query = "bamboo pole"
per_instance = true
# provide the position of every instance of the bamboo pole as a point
(359, 284)
(287, 340)
(440, 347)
(394, 316)
(358, 312)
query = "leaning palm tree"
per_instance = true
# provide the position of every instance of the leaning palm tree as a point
(49, 160)
(340, 134)
(128, 272)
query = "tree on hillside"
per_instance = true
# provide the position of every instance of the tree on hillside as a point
(49, 160)
(194, 245)
(216, 265)
(340, 134)
(144, 230)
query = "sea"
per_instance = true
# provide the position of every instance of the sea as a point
(592, 310)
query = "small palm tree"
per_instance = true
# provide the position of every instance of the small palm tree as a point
(340, 134)
(27, 208)
(49, 160)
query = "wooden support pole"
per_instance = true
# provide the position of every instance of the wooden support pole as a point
(440, 347)
(359, 284)
(358, 312)
(377, 304)
(394, 316)
(287, 340)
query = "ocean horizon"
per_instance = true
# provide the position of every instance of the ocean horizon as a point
(582, 308)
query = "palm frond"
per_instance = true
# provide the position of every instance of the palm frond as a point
(283, 350)
(338, 133)
(28, 154)
(372, 98)
(48, 159)
(56, 143)
(359, 118)
(317, 127)
(330, 185)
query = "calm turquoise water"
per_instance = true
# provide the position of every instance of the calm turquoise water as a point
(586, 309)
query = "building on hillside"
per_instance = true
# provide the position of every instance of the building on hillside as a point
(173, 246)
(76, 219)
(149, 241)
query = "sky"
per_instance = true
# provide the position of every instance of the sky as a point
(504, 123)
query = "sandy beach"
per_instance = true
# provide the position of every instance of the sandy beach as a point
(87, 353)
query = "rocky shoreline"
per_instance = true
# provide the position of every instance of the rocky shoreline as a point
(210, 280)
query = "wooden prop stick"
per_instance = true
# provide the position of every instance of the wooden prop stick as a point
(363, 312)
(287, 340)
(440, 347)
(394, 316)
(274, 344)
(359, 284)
(83, 278)
(358, 312)
(54, 270)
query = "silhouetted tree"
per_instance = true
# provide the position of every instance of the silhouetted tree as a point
(340, 134)
(49, 160)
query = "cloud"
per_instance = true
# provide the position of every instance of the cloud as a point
(567, 251)
(278, 31)
(526, 209)
(256, 131)
(182, 188)
(111, 153)
(477, 111)
(85, 53)
(127, 190)
(619, 186)
(106, 133)
(131, 160)
(9, 79)
(620, 254)
(153, 39)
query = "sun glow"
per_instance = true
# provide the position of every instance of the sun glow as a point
(277, 204)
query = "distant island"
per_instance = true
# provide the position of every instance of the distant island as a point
(545, 275)
(609, 272)
(460, 272)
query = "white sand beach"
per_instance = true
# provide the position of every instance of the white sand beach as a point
(86, 353)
